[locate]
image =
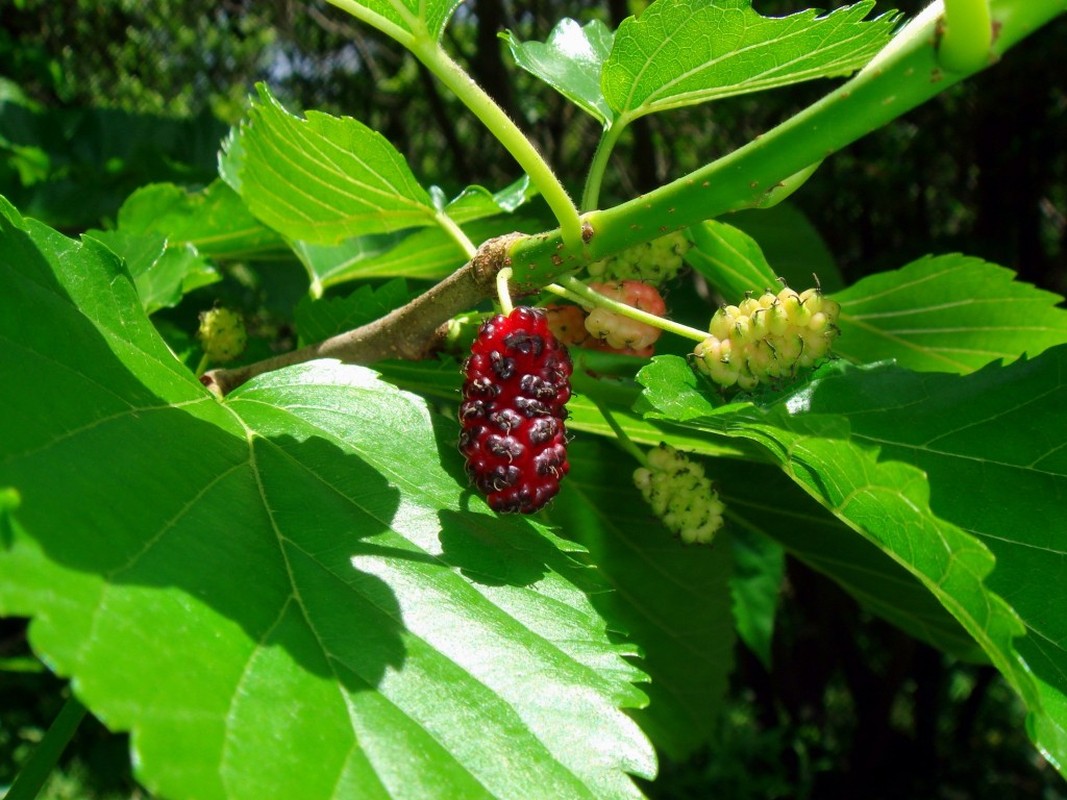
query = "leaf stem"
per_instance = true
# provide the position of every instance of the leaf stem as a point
(201, 367)
(453, 76)
(604, 149)
(31, 778)
(625, 442)
(571, 287)
(450, 227)
(502, 293)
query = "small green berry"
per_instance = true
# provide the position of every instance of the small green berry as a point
(680, 495)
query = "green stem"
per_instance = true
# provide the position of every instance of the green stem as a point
(364, 14)
(625, 442)
(458, 236)
(31, 778)
(453, 76)
(604, 148)
(572, 286)
(967, 35)
(502, 293)
(904, 75)
(201, 368)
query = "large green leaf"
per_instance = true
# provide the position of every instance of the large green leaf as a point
(285, 594)
(992, 447)
(320, 319)
(948, 313)
(321, 179)
(671, 599)
(681, 52)
(860, 441)
(570, 61)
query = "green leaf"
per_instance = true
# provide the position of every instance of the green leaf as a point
(792, 245)
(682, 52)
(321, 179)
(427, 254)
(404, 19)
(991, 444)
(863, 443)
(214, 220)
(570, 61)
(671, 599)
(763, 500)
(320, 319)
(949, 313)
(730, 259)
(162, 274)
(759, 565)
(196, 566)
(477, 202)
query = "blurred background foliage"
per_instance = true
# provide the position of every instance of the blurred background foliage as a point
(98, 97)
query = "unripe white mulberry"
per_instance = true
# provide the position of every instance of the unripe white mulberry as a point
(655, 262)
(767, 338)
(222, 334)
(680, 495)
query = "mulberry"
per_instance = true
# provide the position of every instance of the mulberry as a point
(517, 382)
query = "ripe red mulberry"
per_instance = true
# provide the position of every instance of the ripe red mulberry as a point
(517, 384)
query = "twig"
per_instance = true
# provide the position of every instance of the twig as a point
(410, 332)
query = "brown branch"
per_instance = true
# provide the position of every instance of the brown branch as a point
(410, 332)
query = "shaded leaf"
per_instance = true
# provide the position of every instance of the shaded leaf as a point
(214, 220)
(682, 52)
(949, 313)
(308, 541)
(670, 599)
(888, 501)
(321, 179)
(570, 61)
(319, 319)
(759, 565)
(477, 202)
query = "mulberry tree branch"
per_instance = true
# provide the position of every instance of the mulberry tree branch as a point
(411, 332)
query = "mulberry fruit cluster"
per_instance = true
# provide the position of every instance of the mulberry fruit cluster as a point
(602, 329)
(222, 334)
(681, 495)
(517, 381)
(767, 338)
(655, 262)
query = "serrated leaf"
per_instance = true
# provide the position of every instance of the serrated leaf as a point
(863, 442)
(284, 594)
(682, 52)
(214, 220)
(162, 274)
(570, 61)
(323, 178)
(319, 319)
(670, 599)
(948, 313)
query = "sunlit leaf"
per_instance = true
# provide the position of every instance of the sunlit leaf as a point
(949, 313)
(681, 52)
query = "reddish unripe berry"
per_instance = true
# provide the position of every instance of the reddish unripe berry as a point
(517, 382)
(619, 332)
